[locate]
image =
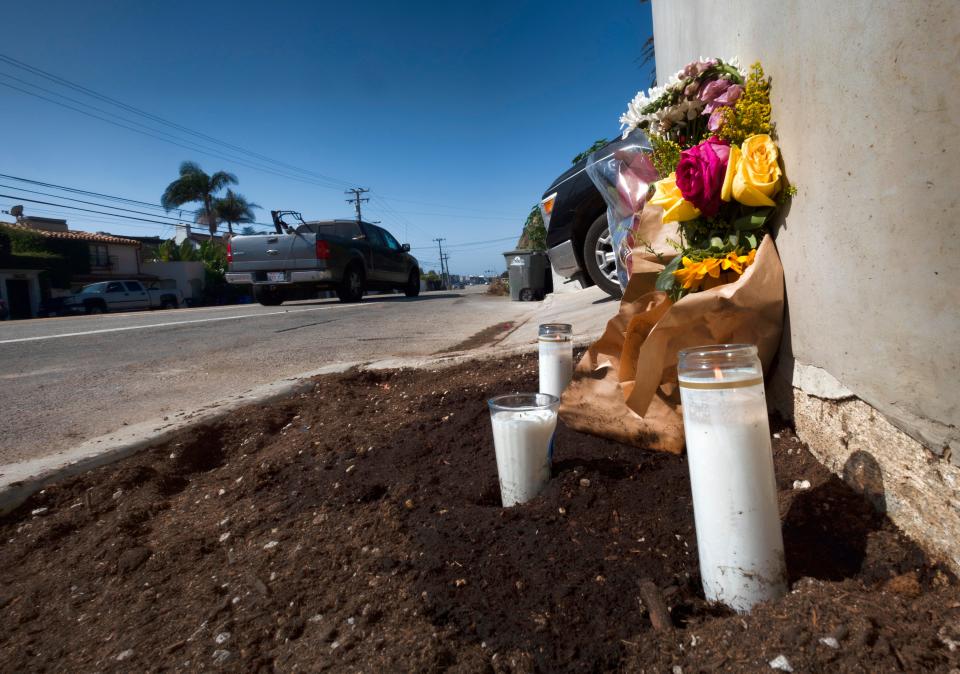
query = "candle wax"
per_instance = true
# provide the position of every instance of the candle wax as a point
(734, 492)
(521, 440)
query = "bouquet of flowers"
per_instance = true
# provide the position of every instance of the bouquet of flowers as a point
(696, 184)
(719, 168)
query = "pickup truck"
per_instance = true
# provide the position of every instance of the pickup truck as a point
(348, 256)
(98, 298)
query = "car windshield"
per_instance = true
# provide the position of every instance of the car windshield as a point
(94, 288)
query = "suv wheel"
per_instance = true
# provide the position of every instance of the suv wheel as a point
(412, 288)
(351, 288)
(599, 257)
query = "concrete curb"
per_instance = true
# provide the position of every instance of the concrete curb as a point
(18, 481)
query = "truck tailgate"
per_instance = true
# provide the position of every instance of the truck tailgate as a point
(265, 252)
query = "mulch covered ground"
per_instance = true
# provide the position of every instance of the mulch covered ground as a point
(357, 527)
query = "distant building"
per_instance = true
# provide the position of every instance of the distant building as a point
(187, 233)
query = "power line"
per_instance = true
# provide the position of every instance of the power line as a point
(94, 203)
(156, 118)
(86, 210)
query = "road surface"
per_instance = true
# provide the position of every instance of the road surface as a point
(66, 380)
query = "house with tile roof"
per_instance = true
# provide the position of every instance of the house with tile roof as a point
(42, 259)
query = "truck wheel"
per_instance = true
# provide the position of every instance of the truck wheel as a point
(599, 257)
(351, 288)
(168, 304)
(268, 297)
(412, 288)
(96, 308)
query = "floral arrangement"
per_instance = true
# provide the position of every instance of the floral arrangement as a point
(719, 168)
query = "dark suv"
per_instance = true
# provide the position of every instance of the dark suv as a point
(578, 238)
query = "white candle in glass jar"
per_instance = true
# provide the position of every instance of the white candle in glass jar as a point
(732, 476)
(523, 427)
(556, 357)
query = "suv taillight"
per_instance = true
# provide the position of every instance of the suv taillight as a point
(546, 208)
(323, 250)
(229, 251)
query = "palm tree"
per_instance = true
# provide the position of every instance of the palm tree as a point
(195, 185)
(233, 209)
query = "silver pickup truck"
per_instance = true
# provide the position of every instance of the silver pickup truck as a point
(348, 256)
(98, 298)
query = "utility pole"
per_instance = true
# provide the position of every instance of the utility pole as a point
(355, 200)
(446, 265)
(443, 274)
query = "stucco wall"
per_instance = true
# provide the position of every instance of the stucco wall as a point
(128, 259)
(866, 101)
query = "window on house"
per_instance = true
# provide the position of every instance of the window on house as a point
(98, 255)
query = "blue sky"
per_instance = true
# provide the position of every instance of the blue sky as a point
(455, 115)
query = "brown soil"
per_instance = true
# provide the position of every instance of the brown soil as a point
(357, 527)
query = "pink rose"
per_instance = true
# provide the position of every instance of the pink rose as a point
(700, 174)
(719, 93)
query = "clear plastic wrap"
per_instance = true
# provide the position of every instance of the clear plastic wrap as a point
(623, 178)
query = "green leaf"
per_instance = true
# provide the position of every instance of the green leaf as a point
(751, 240)
(665, 279)
(754, 220)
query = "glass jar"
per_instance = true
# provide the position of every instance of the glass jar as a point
(556, 357)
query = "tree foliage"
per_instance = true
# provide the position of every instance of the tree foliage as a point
(597, 144)
(194, 185)
(233, 209)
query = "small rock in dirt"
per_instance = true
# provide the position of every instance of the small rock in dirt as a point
(222, 638)
(124, 655)
(780, 662)
(117, 494)
(224, 537)
(271, 545)
(584, 482)
(830, 641)
(676, 669)
(776, 435)
(38, 511)
(949, 635)
(408, 504)
(131, 559)
(221, 656)
(801, 484)
(906, 584)
(221, 492)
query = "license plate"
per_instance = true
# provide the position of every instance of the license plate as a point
(276, 276)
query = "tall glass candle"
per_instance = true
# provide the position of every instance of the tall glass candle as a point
(731, 475)
(556, 357)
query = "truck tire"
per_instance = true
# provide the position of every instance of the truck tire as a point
(96, 308)
(599, 256)
(351, 287)
(268, 297)
(168, 303)
(412, 289)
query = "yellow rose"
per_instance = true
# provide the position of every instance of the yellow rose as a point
(757, 177)
(668, 197)
(726, 192)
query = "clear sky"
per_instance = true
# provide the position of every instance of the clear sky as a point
(456, 115)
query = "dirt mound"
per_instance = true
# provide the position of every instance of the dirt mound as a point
(358, 527)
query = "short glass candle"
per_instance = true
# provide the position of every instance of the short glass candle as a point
(523, 426)
(739, 539)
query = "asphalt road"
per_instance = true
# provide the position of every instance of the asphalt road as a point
(66, 380)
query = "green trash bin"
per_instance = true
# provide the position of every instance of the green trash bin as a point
(528, 271)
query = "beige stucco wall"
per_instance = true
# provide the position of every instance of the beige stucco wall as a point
(128, 259)
(866, 100)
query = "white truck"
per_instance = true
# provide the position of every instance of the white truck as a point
(122, 295)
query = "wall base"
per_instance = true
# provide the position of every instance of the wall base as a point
(917, 489)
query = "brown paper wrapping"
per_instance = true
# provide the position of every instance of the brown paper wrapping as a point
(625, 386)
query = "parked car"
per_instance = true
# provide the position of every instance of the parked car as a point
(348, 256)
(55, 306)
(122, 295)
(575, 215)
